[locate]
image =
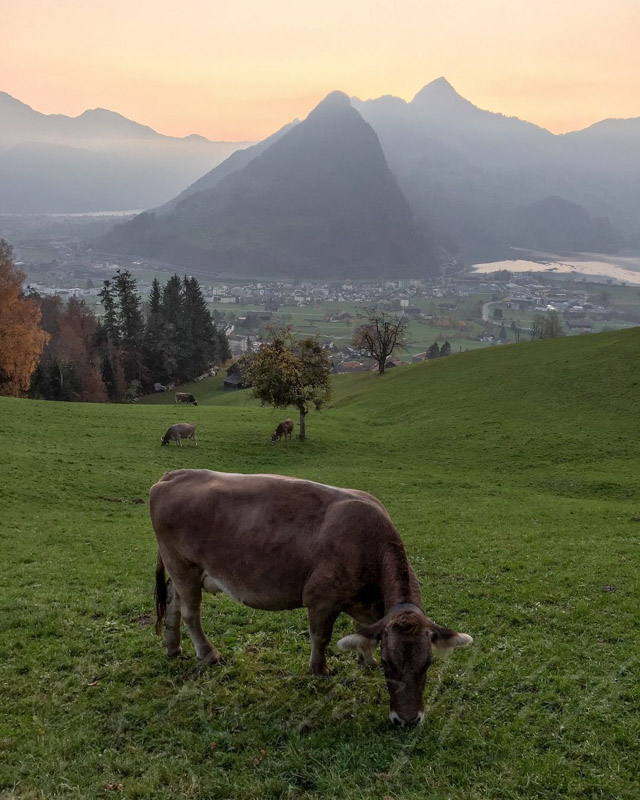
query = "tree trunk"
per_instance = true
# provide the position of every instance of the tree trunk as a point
(381, 364)
(302, 434)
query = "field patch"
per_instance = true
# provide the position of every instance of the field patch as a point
(513, 477)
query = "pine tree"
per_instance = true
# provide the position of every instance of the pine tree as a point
(445, 350)
(130, 325)
(433, 351)
(205, 346)
(153, 353)
(110, 317)
(172, 333)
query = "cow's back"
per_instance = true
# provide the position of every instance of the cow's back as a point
(261, 533)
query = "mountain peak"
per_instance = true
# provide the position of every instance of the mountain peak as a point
(336, 99)
(439, 92)
(333, 101)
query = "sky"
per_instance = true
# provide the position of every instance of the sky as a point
(240, 70)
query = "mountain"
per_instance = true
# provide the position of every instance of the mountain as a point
(96, 161)
(318, 202)
(235, 162)
(465, 170)
(556, 225)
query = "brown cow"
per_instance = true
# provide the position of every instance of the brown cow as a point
(277, 543)
(181, 430)
(285, 428)
(185, 397)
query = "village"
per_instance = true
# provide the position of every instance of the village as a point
(451, 314)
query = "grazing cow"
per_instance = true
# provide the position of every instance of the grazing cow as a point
(185, 397)
(176, 433)
(285, 428)
(277, 543)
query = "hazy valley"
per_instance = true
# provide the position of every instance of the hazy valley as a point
(432, 181)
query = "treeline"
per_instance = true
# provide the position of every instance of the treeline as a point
(62, 351)
(435, 351)
(171, 338)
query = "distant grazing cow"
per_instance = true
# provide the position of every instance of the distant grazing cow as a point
(285, 428)
(278, 543)
(176, 433)
(185, 397)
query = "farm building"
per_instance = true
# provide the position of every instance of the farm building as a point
(235, 379)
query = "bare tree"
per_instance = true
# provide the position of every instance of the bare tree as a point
(546, 327)
(380, 334)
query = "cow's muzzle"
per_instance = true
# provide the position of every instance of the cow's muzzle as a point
(397, 719)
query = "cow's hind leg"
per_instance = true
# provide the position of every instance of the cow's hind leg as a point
(321, 622)
(188, 583)
(171, 638)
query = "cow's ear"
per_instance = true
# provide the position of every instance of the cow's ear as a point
(356, 641)
(445, 640)
(363, 639)
(365, 645)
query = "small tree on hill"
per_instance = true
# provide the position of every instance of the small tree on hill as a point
(552, 326)
(286, 372)
(546, 327)
(379, 335)
(433, 351)
(445, 350)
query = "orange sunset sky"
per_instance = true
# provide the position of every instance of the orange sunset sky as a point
(239, 70)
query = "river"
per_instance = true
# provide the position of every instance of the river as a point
(594, 266)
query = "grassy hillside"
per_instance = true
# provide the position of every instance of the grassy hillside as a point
(513, 476)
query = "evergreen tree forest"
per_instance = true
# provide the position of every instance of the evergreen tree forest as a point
(170, 338)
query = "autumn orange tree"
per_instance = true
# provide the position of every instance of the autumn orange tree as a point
(69, 365)
(21, 338)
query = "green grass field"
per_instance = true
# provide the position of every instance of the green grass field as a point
(513, 475)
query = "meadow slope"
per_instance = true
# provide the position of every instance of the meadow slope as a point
(513, 477)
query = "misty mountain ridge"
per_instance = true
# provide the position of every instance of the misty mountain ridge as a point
(470, 176)
(465, 171)
(318, 202)
(97, 161)
(19, 122)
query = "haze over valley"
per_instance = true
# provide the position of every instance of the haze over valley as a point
(97, 161)
(361, 187)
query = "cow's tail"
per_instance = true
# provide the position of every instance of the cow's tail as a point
(160, 594)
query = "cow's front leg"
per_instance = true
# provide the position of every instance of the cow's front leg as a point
(171, 638)
(320, 628)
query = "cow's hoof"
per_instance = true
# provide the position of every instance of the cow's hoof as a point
(213, 658)
(174, 653)
(370, 663)
(320, 672)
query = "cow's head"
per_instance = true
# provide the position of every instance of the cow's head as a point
(195, 402)
(274, 436)
(164, 440)
(407, 640)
